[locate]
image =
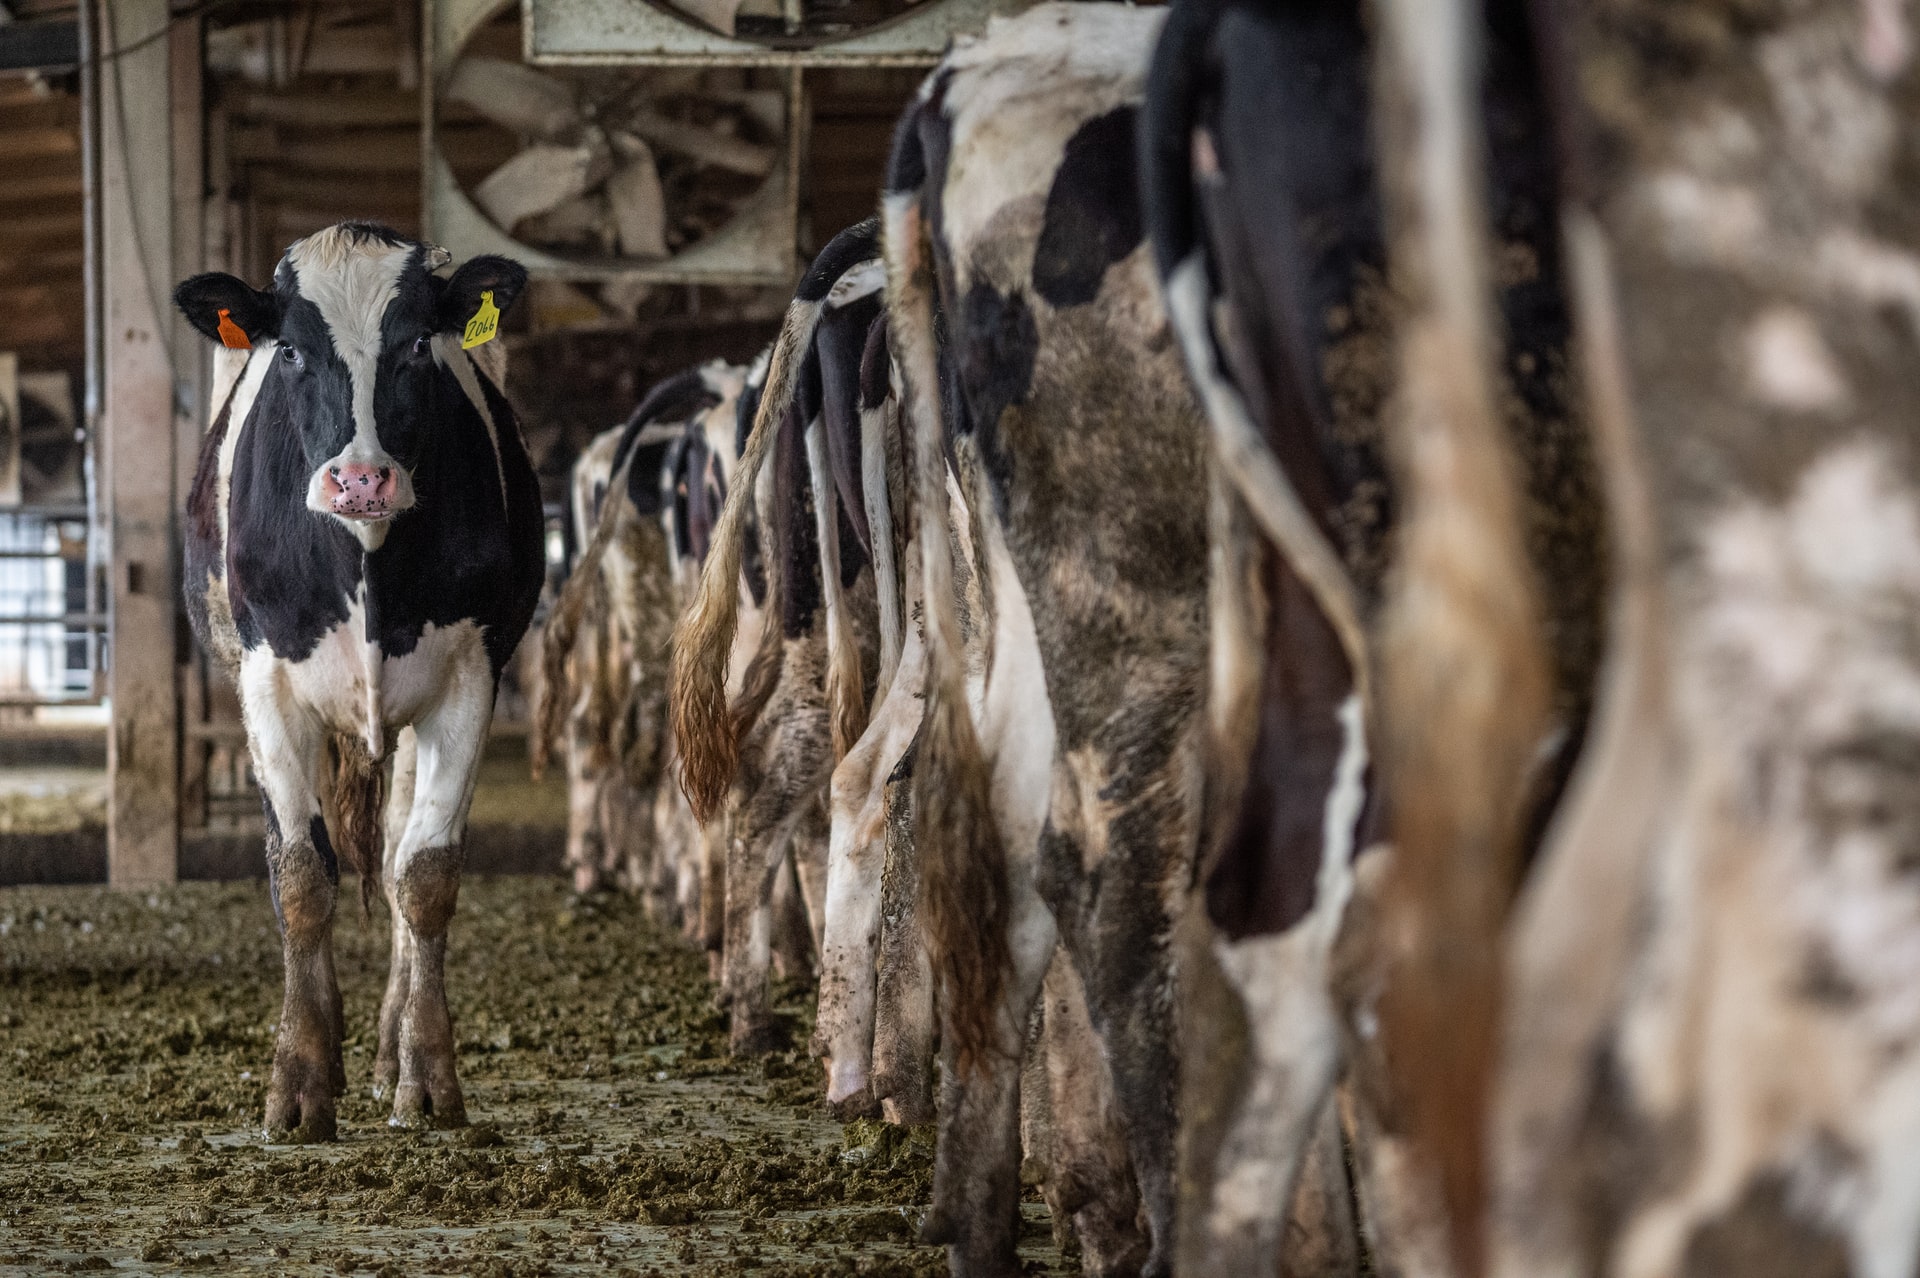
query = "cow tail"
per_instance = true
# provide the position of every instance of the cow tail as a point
(846, 694)
(876, 479)
(357, 803)
(1463, 649)
(963, 884)
(703, 728)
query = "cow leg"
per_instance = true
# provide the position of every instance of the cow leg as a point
(1127, 805)
(856, 861)
(792, 943)
(903, 1024)
(304, 875)
(426, 886)
(976, 1175)
(1089, 1175)
(1323, 1239)
(787, 761)
(584, 841)
(386, 1061)
(711, 920)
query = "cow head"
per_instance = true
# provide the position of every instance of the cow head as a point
(358, 327)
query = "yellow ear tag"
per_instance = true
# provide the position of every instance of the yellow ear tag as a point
(232, 336)
(484, 324)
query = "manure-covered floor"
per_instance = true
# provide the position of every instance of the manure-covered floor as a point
(611, 1133)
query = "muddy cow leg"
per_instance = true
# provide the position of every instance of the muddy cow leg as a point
(810, 872)
(788, 757)
(1090, 1178)
(583, 807)
(856, 861)
(976, 1175)
(386, 1061)
(289, 757)
(903, 1016)
(1128, 805)
(426, 885)
(711, 930)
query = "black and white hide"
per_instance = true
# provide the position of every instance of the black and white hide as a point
(363, 553)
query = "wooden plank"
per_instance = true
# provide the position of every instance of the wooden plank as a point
(143, 746)
(62, 266)
(29, 143)
(359, 109)
(293, 186)
(63, 228)
(21, 190)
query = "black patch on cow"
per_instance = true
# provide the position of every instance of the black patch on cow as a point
(675, 481)
(289, 571)
(1093, 210)
(460, 298)
(1165, 135)
(795, 534)
(745, 410)
(1264, 877)
(675, 399)
(858, 243)
(996, 349)
(643, 477)
(317, 831)
(753, 565)
(876, 365)
(840, 343)
(203, 297)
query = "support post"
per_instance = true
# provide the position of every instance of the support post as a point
(138, 444)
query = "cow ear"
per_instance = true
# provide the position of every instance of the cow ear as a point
(460, 300)
(228, 310)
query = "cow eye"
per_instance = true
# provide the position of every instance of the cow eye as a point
(422, 344)
(291, 356)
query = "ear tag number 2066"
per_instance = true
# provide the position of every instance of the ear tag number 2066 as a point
(484, 324)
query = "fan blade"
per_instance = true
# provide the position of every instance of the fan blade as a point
(639, 203)
(539, 178)
(531, 103)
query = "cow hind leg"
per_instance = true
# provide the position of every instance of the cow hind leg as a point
(903, 1015)
(1090, 1175)
(976, 1178)
(426, 886)
(1142, 821)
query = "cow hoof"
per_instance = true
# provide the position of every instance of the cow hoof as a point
(859, 1105)
(294, 1121)
(386, 1076)
(936, 1228)
(415, 1109)
(750, 1038)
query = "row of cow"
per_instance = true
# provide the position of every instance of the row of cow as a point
(1313, 629)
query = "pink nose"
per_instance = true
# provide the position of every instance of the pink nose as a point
(357, 489)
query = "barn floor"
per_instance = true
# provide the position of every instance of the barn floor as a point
(611, 1134)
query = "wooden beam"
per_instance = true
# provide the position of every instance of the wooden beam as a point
(31, 143)
(360, 109)
(21, 190)
(143, 751)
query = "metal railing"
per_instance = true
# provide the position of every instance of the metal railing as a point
(53, 622)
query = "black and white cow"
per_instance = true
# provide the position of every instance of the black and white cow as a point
(1057, 783)
(1396, 574)
(363, 553)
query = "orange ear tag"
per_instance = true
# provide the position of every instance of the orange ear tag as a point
(232, 336)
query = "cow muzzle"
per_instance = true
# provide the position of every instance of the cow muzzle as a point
(361, 490)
